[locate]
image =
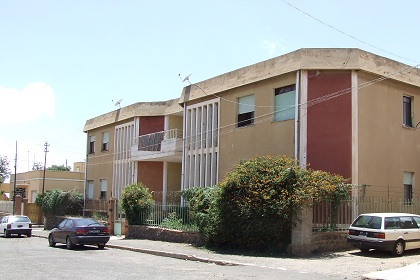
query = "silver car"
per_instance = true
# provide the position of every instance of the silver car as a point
(15, 224)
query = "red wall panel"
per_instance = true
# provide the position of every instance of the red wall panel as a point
(151, 175)
(151, 124)
(329, 123)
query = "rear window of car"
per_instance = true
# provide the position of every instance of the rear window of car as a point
(19, 220)
(366, 221)
(87, 222)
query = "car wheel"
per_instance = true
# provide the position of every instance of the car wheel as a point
(6, 233)
(101, 246)
(69, 244)
(51, 241)
(364, 250)
(399, 248)
(29, 234)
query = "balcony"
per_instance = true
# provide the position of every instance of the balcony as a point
(160, 146)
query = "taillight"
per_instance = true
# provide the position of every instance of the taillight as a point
(105, 230)
(351, 232)
(30, 225)
(380, 235)
(9, 226)
(81, 231)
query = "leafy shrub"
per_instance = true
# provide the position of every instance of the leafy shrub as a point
(59, 203)
(253, 206)
(136, 202)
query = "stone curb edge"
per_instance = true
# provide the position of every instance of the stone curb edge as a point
(165, 254)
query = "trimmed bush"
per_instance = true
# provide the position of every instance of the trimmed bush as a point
(136, 202)
(254, 205)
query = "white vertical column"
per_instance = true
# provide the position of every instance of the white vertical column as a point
(354, 139)
(303, 119)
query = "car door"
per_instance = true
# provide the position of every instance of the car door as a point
(410, 232)
(417, 226)
(59, 233)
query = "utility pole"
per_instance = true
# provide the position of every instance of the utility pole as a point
(14, 183)
(46, 145)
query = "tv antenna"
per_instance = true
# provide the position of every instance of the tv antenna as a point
(187, 78)
(118, 103)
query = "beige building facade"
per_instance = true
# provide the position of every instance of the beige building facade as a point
(30, 184)
(138, 143)
(345, 111)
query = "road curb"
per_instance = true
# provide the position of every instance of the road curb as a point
(165, 254)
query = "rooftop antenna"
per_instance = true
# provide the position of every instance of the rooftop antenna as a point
(187, 78)
(117, 103)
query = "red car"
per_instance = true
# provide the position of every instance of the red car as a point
(79, 231)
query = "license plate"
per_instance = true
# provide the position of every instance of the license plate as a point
(94, 231)
(20, 226)
(363, 233)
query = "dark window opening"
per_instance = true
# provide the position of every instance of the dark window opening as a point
(245, 119)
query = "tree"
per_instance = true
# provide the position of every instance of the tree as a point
(58, 203)
(55, 167)
(4, 169)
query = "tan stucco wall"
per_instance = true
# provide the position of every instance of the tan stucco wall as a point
(385, 148)
(174, 176)
(175, 122)
(32, 181)
(265, 137)
(99, 164)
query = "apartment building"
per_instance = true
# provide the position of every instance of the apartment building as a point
(346, 111)
(141, 142)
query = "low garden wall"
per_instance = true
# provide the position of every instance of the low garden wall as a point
(329, 241)
(161, 234)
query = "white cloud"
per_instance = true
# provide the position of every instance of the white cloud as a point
(274, 48)
(20, 106)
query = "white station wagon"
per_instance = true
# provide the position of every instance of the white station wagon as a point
(394, 232)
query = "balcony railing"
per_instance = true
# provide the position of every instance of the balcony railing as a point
(153, 142)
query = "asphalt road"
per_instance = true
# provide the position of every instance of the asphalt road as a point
(31, 258)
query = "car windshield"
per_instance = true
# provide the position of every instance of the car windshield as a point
(373, 222)
(87, 222)
(20, 219)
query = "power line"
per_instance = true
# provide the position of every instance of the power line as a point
(346, 34)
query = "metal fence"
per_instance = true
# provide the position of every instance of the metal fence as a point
(171, 216)
(328, 215)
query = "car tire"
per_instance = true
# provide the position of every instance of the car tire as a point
(399, 248)
(6, 233)
(69, 244)
(51, 241)
(101, 246)
(364, 250)
(29, 234)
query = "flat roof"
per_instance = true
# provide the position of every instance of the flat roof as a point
(139, 109)
(304, 59)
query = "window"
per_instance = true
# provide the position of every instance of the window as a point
(104, 185)
(284, 103)
(92, 140)
(89, 191)
(105, 141)
(407, 116)
(408, 187)
(246, 109)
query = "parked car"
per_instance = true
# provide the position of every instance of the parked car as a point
(16, 224)
(394, 232)
(79, 231)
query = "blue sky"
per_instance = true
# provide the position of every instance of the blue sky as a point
(63, 62)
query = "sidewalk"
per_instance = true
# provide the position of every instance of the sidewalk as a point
(189, 252)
